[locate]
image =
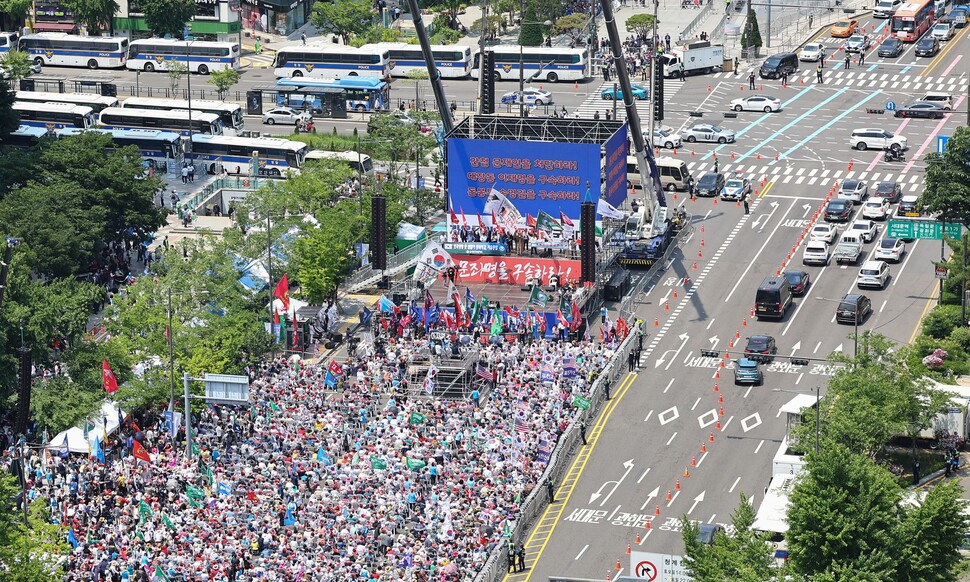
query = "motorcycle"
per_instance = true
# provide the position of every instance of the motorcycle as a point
(895, 156)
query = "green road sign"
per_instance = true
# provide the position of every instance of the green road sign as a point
(925, 229)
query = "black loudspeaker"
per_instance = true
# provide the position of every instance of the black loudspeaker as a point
(254, 102)
(109, 90)
(27, 85)
(587, 225)
(488, 83)
(23, 396)
(378, 232)
(658, 97)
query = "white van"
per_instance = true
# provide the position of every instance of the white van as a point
(359, 162)
(886, 8)
(674, 174)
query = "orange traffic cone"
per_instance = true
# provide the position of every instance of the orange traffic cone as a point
(720, 411)
(618, 564)
(700, 255)
(675, 294)
(720, 398)
(693, 461)
(670, 496)
(716, 388)
(711, 439)
(656, 322)
(656, 511)
(686, 473)
(647, 526)
(744, 322)
(666, 306)
(638, 534)
(695, 265)
(717, 426)
(677, 485)
(703, 447)
(629, 550)
(717, 374)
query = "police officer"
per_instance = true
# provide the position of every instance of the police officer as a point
(681, 71)
(551, 490)
(520, 556)
(818, 74)
(510, 554)
(582, 432)
(751, 80)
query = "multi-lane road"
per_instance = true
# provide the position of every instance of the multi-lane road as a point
(658, 427)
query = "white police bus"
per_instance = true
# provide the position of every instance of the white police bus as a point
(175, 120)
(453, 61)
(203, 57)
(277, 157)
(543, 63)
(333, 61)
(230, 114)
(95, 102)
(54, 115)
(69, 50)
(161, 150)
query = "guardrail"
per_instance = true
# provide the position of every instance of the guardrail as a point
(698, 20)
(395, 263)
(495, 567)
(202, 195)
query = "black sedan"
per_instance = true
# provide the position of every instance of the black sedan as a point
(761, 348)
(838, 211)
(925, 109)
(799, 280)
(710, 184)
(891, 47)
(927, 47)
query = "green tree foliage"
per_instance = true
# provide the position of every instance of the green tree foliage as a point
(377, 34)
(445, 35)
(17, 66)
(29, 552)
(343, 17)
(168, 17)
(930, 536)
(640, 24)
(95, 14)
(9, 121)
(751, 37)
(175, 70)
(572, 25)
(947, 190)
(744, 556)
(530, 33)
(16, 10)
(224, 80)
(842, 515)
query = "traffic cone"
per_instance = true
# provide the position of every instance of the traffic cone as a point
(742, 87)
(708, 88)
(727, 357)
(666, 306)
(695, 265)
(618, 564)
(738, 204)
(670, 496)
(760, 87)
(702, 228)
(732, 155)
(647, 526)
(638, 534)
(715, 200)
(693, 461)
(716, 389)
(674, 151)
(700, 255)
(711, 439)
(703, 447)
(577, 85)
(608, 577)
(752, 312)
(717, 426)
(656, 322)
(629, 550)
(675, 196)
(717, 374)
(656, 511)
(675, 294)
(759, 155)
(744, 322)
(737, 333)
(686, 473)
(776, 157)
(720, 398)
(692, 153)
(677, 485)
(720, 411)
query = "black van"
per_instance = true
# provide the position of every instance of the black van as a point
(773, 298)
(775, 65)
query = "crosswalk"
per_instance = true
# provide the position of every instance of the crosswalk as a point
(866, 79)
(595, 103)
(262, 60)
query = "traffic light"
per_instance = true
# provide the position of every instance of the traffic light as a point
(488, 83)
(658, 91)
(799, 362)
(710, 353)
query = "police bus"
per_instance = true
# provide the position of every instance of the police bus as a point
(173, 120)
(333, 61)
(276, 157)
(543, 63)
(54, 115)
(161, 150)
(95, 102)
(203, 57)
(452, 61)
(230, 114)
(69, 50)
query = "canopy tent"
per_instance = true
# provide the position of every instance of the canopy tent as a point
(255, 276)
(409, 234)
(295, 305)
(71, 440)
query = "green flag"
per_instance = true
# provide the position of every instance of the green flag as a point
(356, 458)
(283, 330)
(168, 522)
(547, 223)
(275, 407)
(417, 418)
(196, 504)
(538, 297)
(194, 492)
(207, 471)
(145, 510)
(414, 463)
(580, 402)
(506, 530)
(161, 575)
(139, 535)
(496, 324)
(377, 462)
(564, 305)
(477, 310)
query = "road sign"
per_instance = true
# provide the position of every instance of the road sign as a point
(646, 569)
(890, 106)
(922, 229)
(941, 143)
(658, 567)
(941, 272)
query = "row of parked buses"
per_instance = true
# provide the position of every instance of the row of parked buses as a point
(382, 60)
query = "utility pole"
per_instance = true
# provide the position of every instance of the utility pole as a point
(171, 358)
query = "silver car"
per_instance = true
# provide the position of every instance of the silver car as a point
(285, 115)
(707, 132)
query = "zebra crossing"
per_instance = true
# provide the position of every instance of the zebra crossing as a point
(594, 103)
(865, 79)
(262, 60)
(911, 182)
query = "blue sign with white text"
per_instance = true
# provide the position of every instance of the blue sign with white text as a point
(941, 143)
(533, 175)
(616, 149)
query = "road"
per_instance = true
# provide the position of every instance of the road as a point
(672, 405)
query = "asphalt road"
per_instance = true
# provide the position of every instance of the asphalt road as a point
(653, 431)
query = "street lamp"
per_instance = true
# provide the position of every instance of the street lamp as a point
(855, 322)
(522, 61)
(817, 404)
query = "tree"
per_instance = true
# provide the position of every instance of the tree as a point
(176, 70)
(168, 17)
(16, 11)
(751, 38)
(9, 121)
(641, 24)
(224, 80)
(17, 65)
(343, 17)
(572, 25)
(930, 536)
(29, 552)
(530, 33)
(842, 515)
(947, 190)
(493, 24)
(376, 34)
(96, 15)
(744, 556)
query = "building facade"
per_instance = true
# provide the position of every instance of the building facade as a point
(214, 20)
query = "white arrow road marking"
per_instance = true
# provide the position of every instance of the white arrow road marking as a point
(650, 496)
(808, 208)
(713, 341)
(697, 500)
(598, 494)
(795, 348)
(684, 337)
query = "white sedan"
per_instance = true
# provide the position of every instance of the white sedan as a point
(764, 103)
(876, 208)
(866, 229)
(665, 138)
(890, 249)
(824, 232)
(813, 52)
(529, 96)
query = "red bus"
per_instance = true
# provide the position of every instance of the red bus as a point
(913, 19)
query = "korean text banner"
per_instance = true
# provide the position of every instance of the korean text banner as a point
(616, 152)
(533, 175)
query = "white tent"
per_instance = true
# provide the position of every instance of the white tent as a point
(72, 439)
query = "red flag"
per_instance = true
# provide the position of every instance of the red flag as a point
(480, 223)
(577, 317)
(464, 221)
(454, 217)
(529, 221)
(459, 316)
(494, 220)
(282, 292)
(565, 220)
(110, 382)
(561, 319)
(251, 496)
(139, 452)
(335, 368)
(276, 317)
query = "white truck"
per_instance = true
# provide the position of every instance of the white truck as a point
(848, 249)
(698, 57)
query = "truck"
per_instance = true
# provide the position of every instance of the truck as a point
(699, 57)
(848, 249)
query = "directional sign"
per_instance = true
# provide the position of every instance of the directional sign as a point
(941, 143)
(656, 567)
(890, 106)
(941, 272)
(924, 229)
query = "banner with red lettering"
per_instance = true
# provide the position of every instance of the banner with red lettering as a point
(514, 270)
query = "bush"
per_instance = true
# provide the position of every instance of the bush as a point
(941, 321)
(960, 337)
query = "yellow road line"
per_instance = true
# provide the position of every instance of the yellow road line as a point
(764, 191)
(943, 53)
(544, 528)
(926, 308)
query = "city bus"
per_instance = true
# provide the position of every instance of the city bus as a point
(176, 120)
(203, 57)
(8, 40)
(544, 63)
(161, 150)
(54, 115)
(69, 50)
(25, 137)
(362, 93)
(230, 114)
(358, 162)
(912, 19)
(95, 102)
(331, 61)
(277, 157)
(453, 61)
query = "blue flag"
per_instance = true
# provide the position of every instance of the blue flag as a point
(98, 452)
(469, 299)
(288, 519)
(365, 317)
(225, 489)
(321, 454)
(71, 539)
(385, 304)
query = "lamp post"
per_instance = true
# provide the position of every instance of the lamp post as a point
(817, 404)
(522, 59)
(855, 322)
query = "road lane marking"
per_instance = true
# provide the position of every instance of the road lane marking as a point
(669, 384)
(765, 244)
(879, 156)
(953, 64)
(736, 481)
(696, 402)
(883, 305)
(831, 122)
(725, 425)
(643, 476)
(748, 391)
(943, 53)
(701, 459)
(671, 502)
(931, 138)
(711, 323)
(581, 552)
(649, 414)
(671, 439)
